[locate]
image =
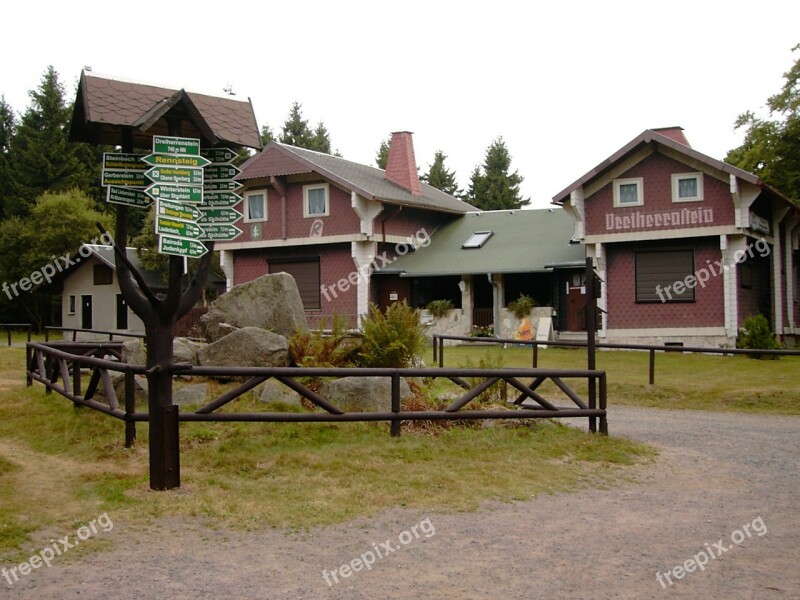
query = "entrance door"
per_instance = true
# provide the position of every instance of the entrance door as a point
(575, 296)
(122, 312)
(86, 312)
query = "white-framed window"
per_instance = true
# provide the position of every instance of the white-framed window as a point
(71, 307)
(477, 239)
(316, 200)
(687, 187)
(629, 192)
(255, 206)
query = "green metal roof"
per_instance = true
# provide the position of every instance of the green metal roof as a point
(522, 241)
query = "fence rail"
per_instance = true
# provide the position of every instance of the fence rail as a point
(438, 349)
(76, 330)
(59, 366)
(9, 327)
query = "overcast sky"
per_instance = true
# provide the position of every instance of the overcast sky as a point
(565, 84)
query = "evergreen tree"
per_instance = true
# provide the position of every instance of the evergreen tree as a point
(7, 126)
(41, 157)
(296, 132)
(493, 187)
(266, 135)
(382, 157)
(439, 177)
(771, 148)
(321, 140)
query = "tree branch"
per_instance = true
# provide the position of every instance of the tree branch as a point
(192, 293)
(141, 298)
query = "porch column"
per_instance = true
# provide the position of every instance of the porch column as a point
(789, 234)
(777, 263)
(226, 263)
(363, 254)
(466, 303)
(598, 253)
(730, 284)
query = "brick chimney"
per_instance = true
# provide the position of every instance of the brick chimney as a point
(674, 133)
(401, 166)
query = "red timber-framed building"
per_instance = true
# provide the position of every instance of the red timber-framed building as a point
(687, 246)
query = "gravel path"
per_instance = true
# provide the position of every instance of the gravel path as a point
(716, 473)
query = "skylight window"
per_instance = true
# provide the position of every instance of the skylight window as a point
(477, 239)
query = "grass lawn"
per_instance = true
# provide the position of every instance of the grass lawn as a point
(685, 381)
(61, 467)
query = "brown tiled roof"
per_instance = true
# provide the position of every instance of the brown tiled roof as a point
(369, 182)
(104, 106)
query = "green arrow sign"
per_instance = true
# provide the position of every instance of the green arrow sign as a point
(119, 160)
(219, 215)
(124, 177)
(180, 247)
(184, 229)
(221, 172)
(127, 196)
(176, 145)
(221, 186)
(178, 193)
(218, 156)
(177, 210)
(175, 160)
(220, 199)
(220, 232)
(185, 175)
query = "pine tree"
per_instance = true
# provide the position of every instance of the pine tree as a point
(7, 126)
(266, 135)
(296, 132)
(42, 158)
(439, 177)
(382, 157)
(492, 187)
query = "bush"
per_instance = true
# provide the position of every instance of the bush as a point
(756, 334)
(522, 306)
(478, 331)
(497, 393)
(440, 308)
(319, 349)
(393, 339)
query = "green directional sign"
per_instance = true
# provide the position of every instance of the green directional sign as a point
(180, 247)
(221, 172)
(122, 160)
(220, 232)
(177, 210)
(220, 199)
(128, 196)
(178, 193)
(183, 175)
(185, 229)
(175, 160)
(124, 177)
(176, 145)
(218, 156)
(219, 215)
(221, 186)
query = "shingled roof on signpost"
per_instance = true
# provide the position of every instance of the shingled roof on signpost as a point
(103, 107)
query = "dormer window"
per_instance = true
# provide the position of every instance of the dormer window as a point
(628, 192)
(477, 239)
(687, 187)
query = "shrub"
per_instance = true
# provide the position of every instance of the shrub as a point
(497, 393)
(321, 349)
(393, 339)
(478, 331)
(440, 308)
(522, 306)
(756, 334)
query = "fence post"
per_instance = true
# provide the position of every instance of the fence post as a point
(130, 407)
(441, 352)
(435, 341)
(535, 355)
(76, 378)
(396, 403)
(9, 335)
(652, 366)
(604, 418)
(28, 364)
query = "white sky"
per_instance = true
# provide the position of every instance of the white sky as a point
(566, 83)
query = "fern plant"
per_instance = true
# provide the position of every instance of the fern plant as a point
(393, 339)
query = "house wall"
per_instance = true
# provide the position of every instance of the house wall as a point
(625, 313)
(337, 294)
(715, 209)
(341, 220)
(104, 301)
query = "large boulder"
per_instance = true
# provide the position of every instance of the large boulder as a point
(185, 350)
(193, 394)
(246, 347)
(134, 352)
(269, 302)
(362, 394)
(275, 391)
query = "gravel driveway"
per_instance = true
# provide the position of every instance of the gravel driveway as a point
(716, 474)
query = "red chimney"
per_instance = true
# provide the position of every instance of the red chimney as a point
(401, 166)
(674, 133)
